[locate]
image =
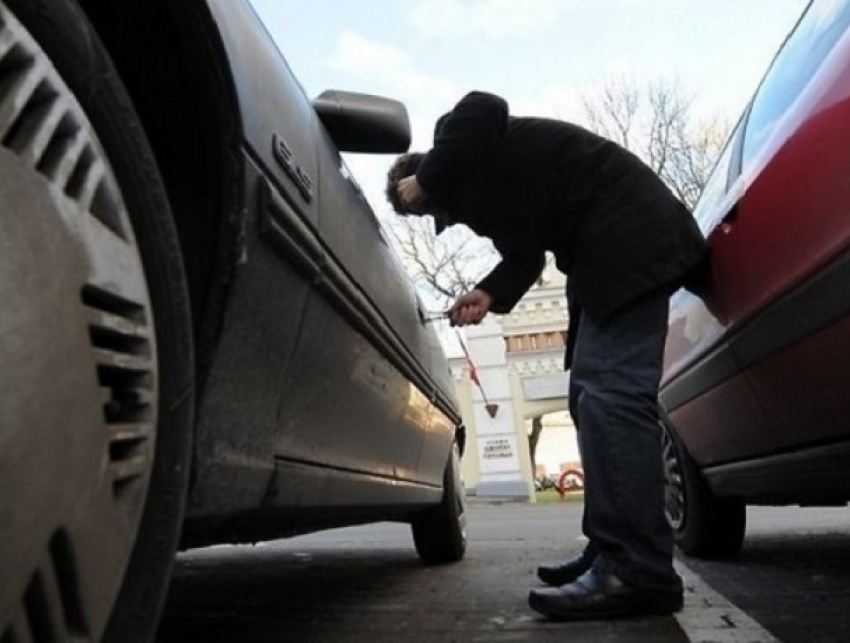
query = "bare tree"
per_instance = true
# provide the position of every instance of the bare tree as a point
(445, 266)
(657, 122)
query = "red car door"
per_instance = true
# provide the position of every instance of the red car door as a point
(776, 248)
(705, 393)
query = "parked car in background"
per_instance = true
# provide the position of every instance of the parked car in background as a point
(756, 390)
(204, 329)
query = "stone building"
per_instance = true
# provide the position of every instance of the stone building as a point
(518, 359)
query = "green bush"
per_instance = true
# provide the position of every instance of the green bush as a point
(551, 495)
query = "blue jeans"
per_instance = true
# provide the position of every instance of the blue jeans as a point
(616, 368)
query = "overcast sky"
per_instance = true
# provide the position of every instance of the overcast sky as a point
(539, 54)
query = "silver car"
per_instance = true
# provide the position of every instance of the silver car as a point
(204, 330)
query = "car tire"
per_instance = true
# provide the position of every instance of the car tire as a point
(96, 337)
(704, 525)
(440, 533)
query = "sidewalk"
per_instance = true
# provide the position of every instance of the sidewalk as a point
(366, 585)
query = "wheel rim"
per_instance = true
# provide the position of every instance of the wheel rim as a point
(674, 492)
(78, 387)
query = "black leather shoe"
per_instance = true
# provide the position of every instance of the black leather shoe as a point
(564, 573)
(599, 595)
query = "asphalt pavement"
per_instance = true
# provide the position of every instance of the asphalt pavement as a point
(366, 585)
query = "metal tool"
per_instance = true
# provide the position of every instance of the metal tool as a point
(432, 317)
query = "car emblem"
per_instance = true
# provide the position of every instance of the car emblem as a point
(283, 155)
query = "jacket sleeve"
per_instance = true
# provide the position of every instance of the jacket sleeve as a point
(464, 138)
(512, 277)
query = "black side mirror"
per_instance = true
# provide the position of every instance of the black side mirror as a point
(364, 123)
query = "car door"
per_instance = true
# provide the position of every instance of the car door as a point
(704, 392)
(356, 363)
(788, 227)
(790, 218)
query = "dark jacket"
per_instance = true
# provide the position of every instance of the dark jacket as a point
(534, 184)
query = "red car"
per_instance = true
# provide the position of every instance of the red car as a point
(756, 392)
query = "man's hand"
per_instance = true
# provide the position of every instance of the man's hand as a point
(470, 308)
(410, 193)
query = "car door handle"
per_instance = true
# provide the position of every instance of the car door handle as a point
(728, 222)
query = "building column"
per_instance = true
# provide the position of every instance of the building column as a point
(501, 440)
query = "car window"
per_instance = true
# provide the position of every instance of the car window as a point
(795, 64)
(708, 211)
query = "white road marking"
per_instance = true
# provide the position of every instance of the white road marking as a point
(707, 617)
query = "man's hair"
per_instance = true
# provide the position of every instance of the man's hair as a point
(405, 165)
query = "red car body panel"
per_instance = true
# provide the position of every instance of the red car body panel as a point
(793, 218)
(805, 390)
(721, 423)
(782, 225)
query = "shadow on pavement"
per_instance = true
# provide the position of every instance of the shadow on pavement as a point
(266, 593)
